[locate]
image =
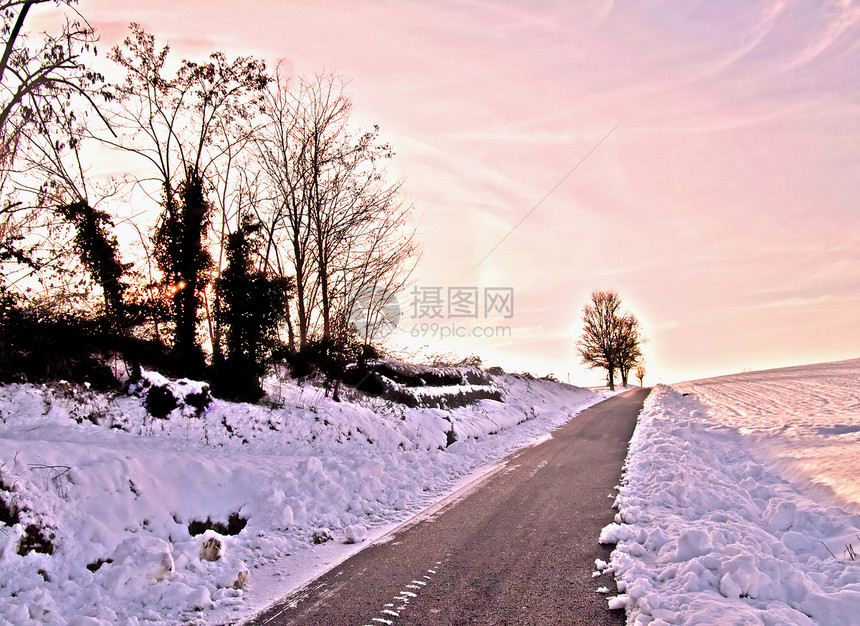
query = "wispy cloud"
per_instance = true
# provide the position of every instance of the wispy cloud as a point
(732, 184)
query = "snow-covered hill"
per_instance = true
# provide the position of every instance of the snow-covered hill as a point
(106, 506)
(739, 501)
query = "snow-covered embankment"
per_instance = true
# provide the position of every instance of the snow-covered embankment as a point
(718, 521)
(118, 498)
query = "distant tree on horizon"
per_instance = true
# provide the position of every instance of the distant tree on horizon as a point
(610, 339)
(629, 346)
(640, 372)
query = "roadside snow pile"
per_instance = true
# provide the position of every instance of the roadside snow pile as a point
(707, 534)
(110, 515)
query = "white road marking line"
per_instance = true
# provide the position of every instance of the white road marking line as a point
(403, 598)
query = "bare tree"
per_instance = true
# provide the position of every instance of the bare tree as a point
(629, 346)
(37, 80)
(640, 372)
(186, 122)
(345, 227)
(363, 234)
(284, 145)
(376, 259)
(609, 336)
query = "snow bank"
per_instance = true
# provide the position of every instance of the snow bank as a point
(801, 422)
(707, 534)
(121, 496)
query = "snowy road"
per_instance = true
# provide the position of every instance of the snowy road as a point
(519, 547)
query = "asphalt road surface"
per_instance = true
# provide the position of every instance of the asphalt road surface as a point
(518, 547)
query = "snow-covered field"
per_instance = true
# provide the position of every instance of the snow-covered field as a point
(114, 491)
(740, 501)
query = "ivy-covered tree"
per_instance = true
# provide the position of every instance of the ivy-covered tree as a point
(188, 127)
(184, 259)
(97, 249)
(250, 307)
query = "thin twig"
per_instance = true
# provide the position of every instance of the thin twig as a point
(66, 469)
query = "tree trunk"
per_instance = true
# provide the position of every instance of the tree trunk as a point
(291, 335)
(300, 304)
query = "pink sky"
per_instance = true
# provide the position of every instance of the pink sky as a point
(724, 208)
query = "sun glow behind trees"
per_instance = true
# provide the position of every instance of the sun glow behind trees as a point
(206, 133)
(726, 191)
